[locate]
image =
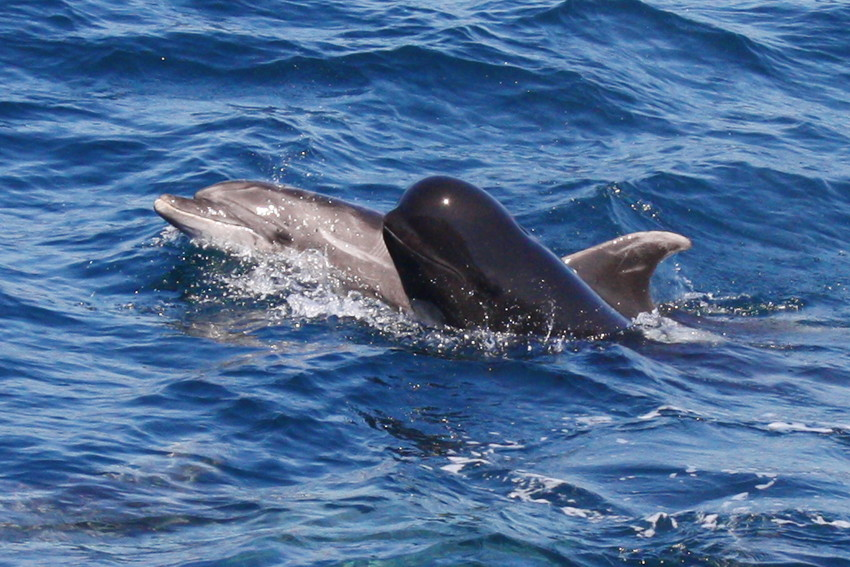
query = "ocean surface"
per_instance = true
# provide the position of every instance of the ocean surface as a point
(165, 403)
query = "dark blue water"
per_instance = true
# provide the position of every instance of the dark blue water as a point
(165, 404)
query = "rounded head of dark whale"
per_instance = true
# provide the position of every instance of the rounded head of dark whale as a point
(464, 261)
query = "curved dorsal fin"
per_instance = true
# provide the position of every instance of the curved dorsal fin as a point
(619, 270)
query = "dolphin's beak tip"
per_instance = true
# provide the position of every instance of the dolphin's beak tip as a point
(163, 202)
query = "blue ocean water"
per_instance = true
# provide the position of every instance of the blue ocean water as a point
(164, 403)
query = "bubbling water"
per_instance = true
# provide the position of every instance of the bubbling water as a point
(302, 287)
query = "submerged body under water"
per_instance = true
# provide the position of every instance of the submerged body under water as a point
(168, 403)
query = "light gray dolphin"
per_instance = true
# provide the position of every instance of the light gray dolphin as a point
(620, 270)
(264, 216)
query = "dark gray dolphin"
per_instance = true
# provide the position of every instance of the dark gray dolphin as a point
(465, 261)
(263, 216)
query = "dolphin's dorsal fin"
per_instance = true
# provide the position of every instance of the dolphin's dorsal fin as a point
(619, 270)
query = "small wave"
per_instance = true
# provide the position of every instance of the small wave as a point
(709, 304)
(565, 496)
(287, 286)
(661, 329)
(658, 522)
(840, 524)
(789, 427)
(673, 411)
(457, 464)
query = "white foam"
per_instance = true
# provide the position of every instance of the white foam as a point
(581, 513)
(709, 521)
(168, 235)
(657, 521)
(841, 524)
(529, 485)
(786, 427)
(298, 286)
(592, 420)
(525, 495)
(539, 480)
(457, 464)
(660, 411)
(786, 522)
(658, 328)
(507, 445)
